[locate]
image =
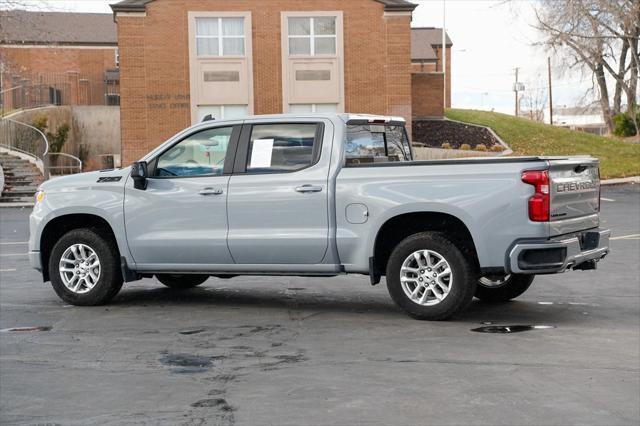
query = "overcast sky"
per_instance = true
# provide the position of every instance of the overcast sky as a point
(490, 39)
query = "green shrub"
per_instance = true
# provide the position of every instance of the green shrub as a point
(57, 139)
(481, 147)
(40, 122)
(465, 147)
(623, 125)
(446, 145)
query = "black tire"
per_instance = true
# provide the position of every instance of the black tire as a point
(110, 278)
(514, 286)
(462, 287)
(181, 282)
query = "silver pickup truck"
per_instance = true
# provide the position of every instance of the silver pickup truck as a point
(319, 195)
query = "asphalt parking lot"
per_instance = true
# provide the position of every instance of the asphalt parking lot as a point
(307, 351)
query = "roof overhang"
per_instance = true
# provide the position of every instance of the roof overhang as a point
(139, 6)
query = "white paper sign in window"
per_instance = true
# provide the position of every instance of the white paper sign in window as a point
(261, 153)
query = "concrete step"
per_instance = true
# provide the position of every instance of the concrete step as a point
(8, 200)
(20, 167)
(7, 164)
(22, 173)
(20, 189)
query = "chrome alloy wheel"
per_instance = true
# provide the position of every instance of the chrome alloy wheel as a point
(494, 281)
(79, 268)
(426, 277)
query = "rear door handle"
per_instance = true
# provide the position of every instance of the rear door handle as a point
(210, 191)
(309, 188)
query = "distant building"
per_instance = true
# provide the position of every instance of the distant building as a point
(587, 119)
(58, 58)
(427, 75)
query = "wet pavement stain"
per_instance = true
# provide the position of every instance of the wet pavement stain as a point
(219, 403)
(25, 329)
(506, 329)
(190, 332)
(187, 363)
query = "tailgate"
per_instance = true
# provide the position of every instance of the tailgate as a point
(575, 194)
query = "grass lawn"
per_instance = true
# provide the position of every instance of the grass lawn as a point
(525, 137)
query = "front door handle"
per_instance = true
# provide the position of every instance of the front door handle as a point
(210, 191)
(309, 188)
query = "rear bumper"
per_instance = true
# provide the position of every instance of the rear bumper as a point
(578, 251)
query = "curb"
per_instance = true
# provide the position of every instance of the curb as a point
(620, 181)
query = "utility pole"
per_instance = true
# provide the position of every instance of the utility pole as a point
(444, 52)
(515, 89)
(550, 92)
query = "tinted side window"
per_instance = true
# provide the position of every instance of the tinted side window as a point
(201, 154)
(376, 143)
(281, 147)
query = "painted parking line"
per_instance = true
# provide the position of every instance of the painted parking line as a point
(607, 199)
(14, 243)
(627, 237)
(8, 270)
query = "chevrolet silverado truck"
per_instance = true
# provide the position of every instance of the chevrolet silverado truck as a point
(319, 195)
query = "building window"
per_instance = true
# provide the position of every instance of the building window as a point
(220, 36)
(313, 108)
(312, 36)
(222, 112)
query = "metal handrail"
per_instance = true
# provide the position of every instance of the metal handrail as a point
(44, 137)
(77, 166)
(12, 142)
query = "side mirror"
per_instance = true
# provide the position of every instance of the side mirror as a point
(139, 175)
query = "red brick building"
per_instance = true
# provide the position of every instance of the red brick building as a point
(57, 58)
(182, 60)
(427, 72)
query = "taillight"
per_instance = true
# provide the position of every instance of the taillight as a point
(539, 204)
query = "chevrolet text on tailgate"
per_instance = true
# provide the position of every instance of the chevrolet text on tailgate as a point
(319, 195)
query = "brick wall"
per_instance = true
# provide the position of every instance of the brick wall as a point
(155, 63)
(427, 99)
(77, 72)
(433, 68)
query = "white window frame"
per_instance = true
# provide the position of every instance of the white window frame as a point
(221, 37)
(223, 115)
(313, 36)
(314, 107)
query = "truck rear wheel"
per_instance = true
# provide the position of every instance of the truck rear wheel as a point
(429, 277)
(181, 282)
(84, 268)
(497, 289)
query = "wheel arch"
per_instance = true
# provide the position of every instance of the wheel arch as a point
(402, 225)
(60, 225)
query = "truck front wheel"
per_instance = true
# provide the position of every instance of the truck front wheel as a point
(496, 289)
(429, 277)
(84, 268)
(181, 282)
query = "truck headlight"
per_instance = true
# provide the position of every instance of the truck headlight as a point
(39, 196)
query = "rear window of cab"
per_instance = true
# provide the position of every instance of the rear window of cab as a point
(372, 143)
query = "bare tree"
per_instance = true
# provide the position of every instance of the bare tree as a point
(534, 101)
(601, 36)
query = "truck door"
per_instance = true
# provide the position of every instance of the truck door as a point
(180, 220)
(277, 201)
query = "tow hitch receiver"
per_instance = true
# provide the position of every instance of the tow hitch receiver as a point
(589, 265)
